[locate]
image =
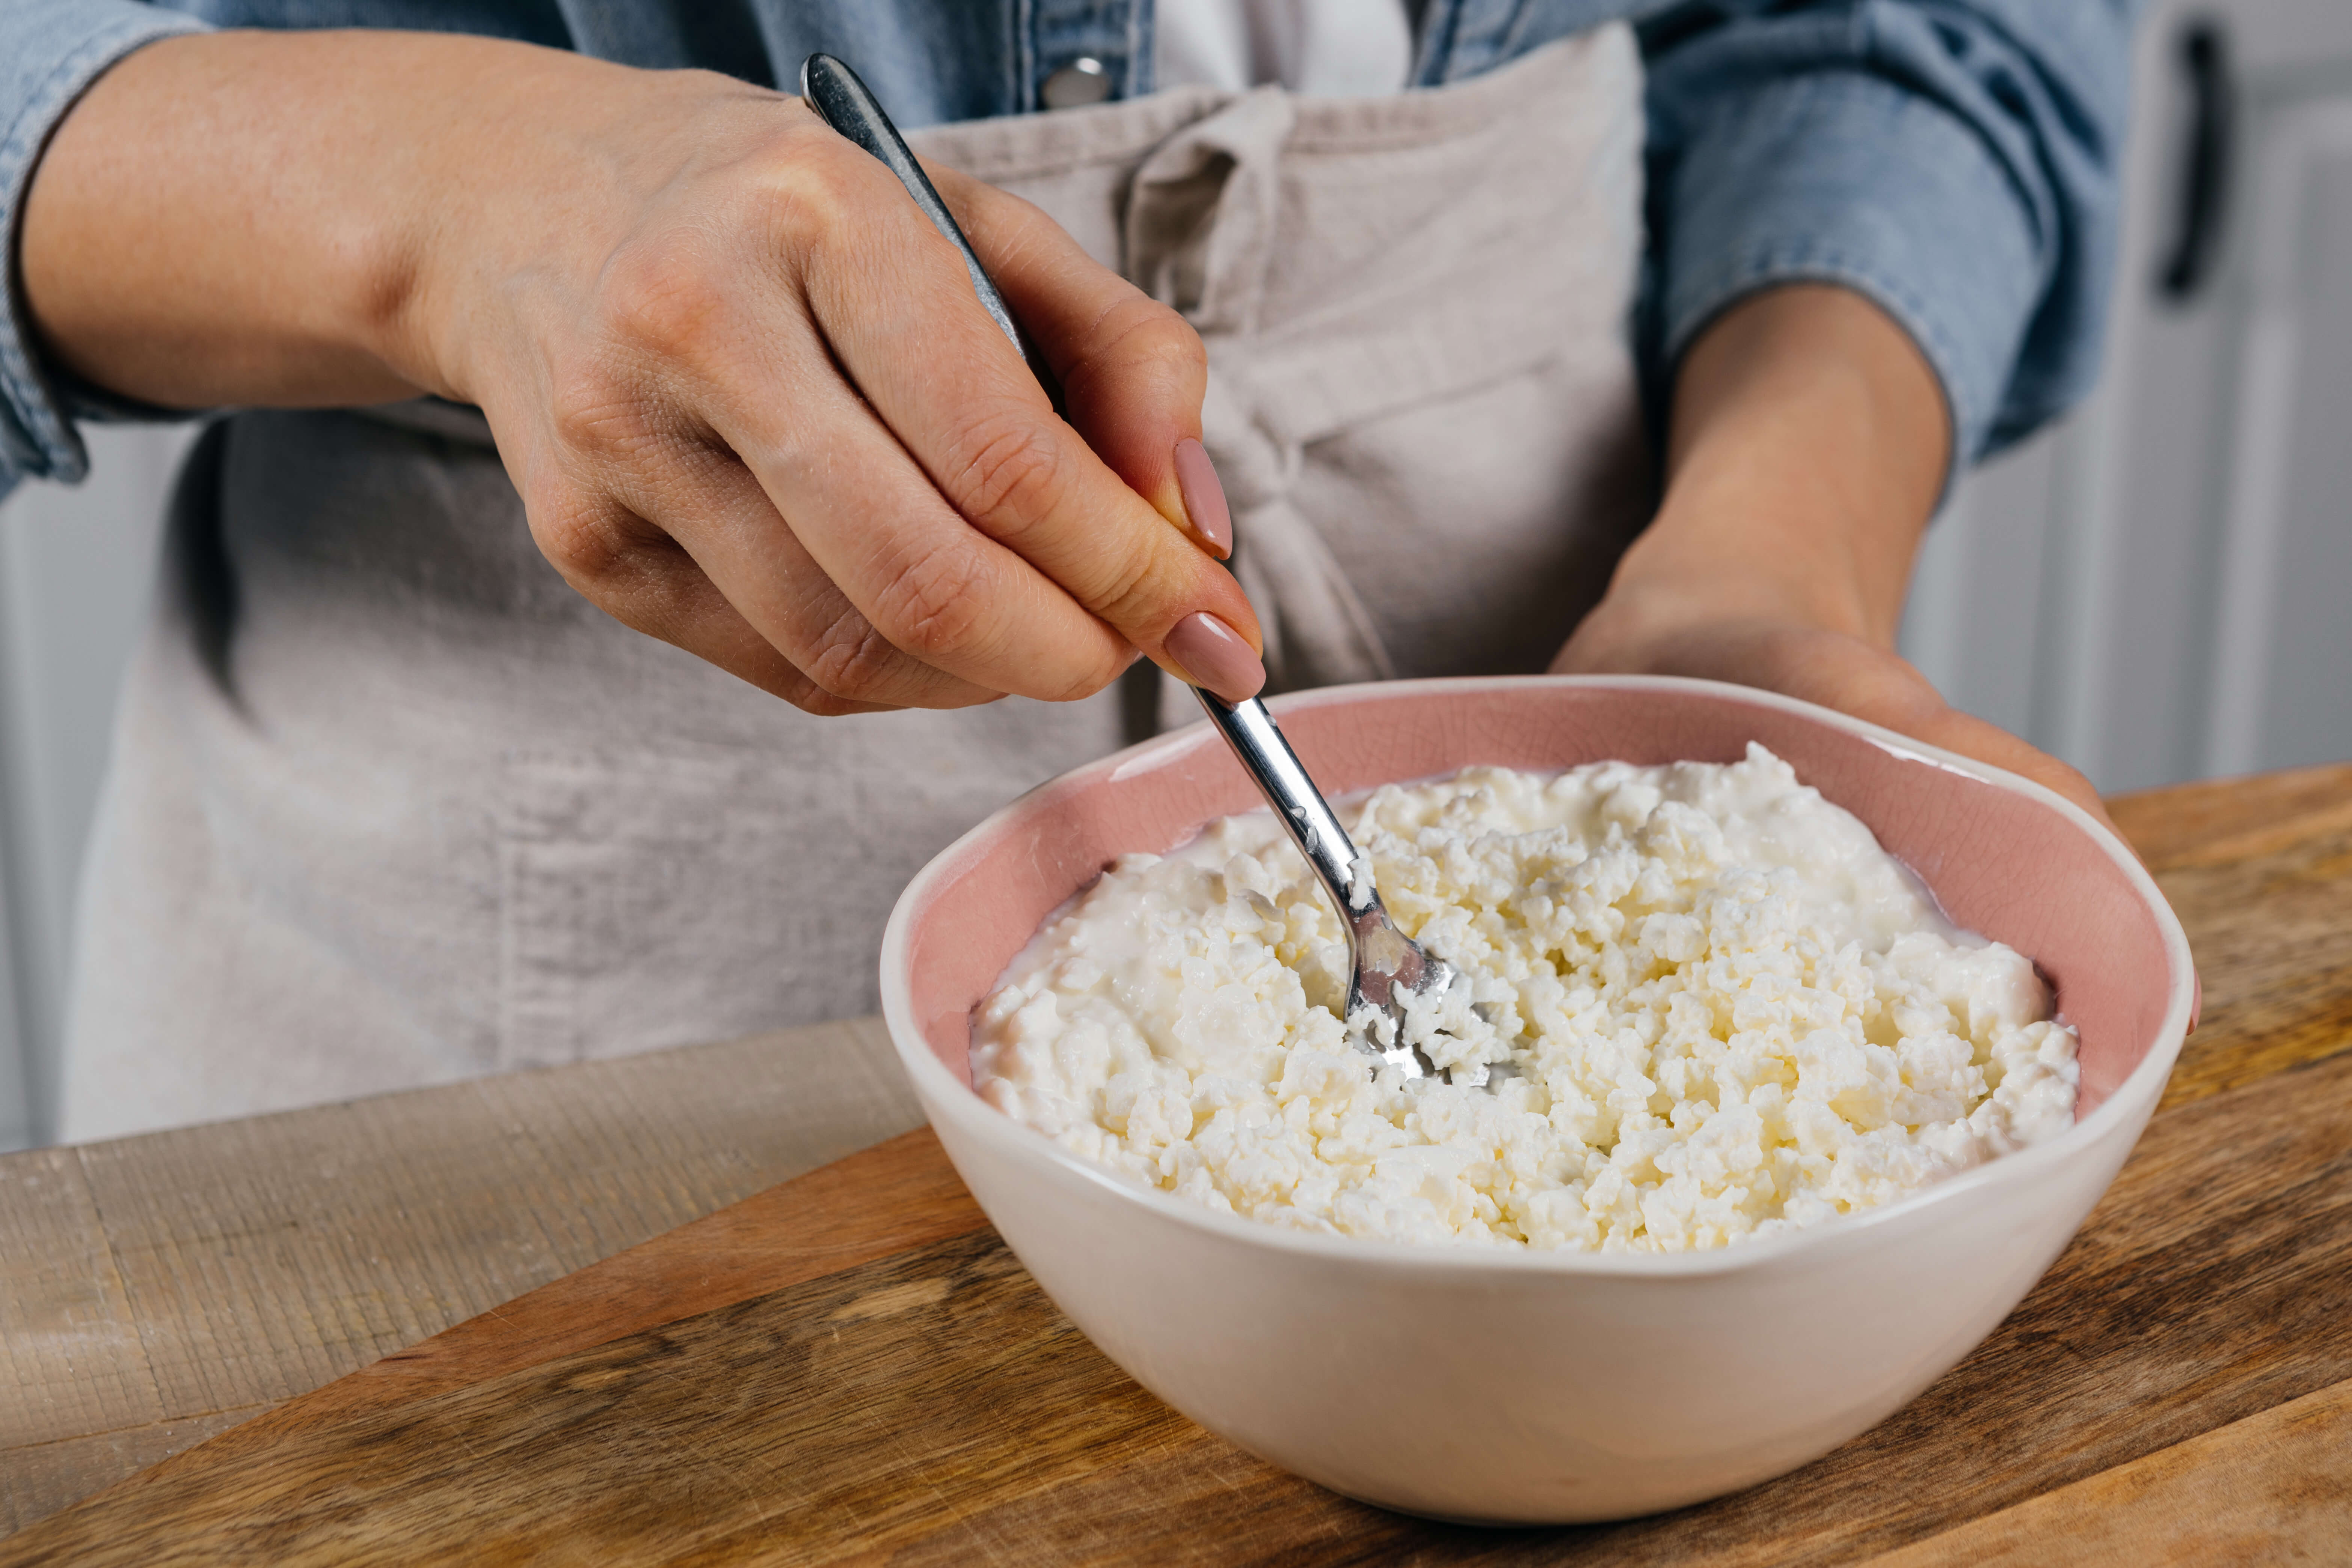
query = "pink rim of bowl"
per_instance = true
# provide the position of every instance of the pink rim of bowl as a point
(2005, 856)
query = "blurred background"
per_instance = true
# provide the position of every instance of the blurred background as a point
(2159, 589)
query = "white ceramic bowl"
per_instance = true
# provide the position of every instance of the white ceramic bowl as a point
(1548, 1387)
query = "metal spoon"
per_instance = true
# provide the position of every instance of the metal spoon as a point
(1388, 965)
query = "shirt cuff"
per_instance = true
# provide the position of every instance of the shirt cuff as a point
(1843, 178)
(50, 54)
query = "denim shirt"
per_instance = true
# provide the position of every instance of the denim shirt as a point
(1954, 160)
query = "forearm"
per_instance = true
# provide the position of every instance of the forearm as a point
(1808, 443)
(242, 218)
(745, 389)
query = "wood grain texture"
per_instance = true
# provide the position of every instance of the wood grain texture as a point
(2273, 1487)
(69, 1360)
(2264, 890)
(2232, 819)
(159, 1289)
(794, 1379)
(898, 1196)
(48, 1476)
(932, 1404)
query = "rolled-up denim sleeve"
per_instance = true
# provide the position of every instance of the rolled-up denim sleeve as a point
(1956, 162)
(50, 52)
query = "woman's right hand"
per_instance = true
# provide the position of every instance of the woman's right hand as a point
(749, 397)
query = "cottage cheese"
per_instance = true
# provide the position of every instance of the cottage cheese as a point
(1730, 1012)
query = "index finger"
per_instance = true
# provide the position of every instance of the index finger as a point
(1132, 371)
(903, 321)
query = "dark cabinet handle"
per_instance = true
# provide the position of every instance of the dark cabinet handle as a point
(2203, 56)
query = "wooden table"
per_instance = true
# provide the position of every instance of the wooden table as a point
(848, 1367)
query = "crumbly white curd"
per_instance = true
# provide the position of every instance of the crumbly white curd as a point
(1729, 1012)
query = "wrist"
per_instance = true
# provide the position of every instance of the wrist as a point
(462, 202)
(182, 243)
(1808, 443)
(270, 218)
(1712, 559)
(543, 161)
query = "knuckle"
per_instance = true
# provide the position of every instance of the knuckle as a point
(599, 418)
(811, 197)
(1097, 675)
(598, 547)
(663, 296)
(1141, 598)
(580, 539)
(934, 606)
(1139, 347)
(1140, 337)
(1145, 331)
(855, 662)
(1011, 475)
(813, 698)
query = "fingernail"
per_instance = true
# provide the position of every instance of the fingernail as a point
(1204, 498)
(1214, 656)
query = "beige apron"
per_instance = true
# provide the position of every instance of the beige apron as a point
(392, 805)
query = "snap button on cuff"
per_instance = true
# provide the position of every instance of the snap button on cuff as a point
(1081, 82)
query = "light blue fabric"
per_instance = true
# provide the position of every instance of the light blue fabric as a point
(1954, 160)
(50, 52)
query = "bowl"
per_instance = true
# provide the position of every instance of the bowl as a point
(1487, 1386)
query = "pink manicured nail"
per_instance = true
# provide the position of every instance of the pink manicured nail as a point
(1204, 498)
(1214, 656)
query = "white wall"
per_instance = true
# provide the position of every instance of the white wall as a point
(1983, 592)
(2156, 591)
(76, 566)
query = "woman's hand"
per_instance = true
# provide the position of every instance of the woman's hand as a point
(746, 391)
(1810, 440)
(1836, 669)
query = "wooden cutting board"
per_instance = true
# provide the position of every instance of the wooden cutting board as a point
(850, 1367)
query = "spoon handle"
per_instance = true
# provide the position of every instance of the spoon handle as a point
(1250, 730)
(845, 102)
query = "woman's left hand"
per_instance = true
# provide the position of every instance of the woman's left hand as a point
(1834, 668)
(1808, 443)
